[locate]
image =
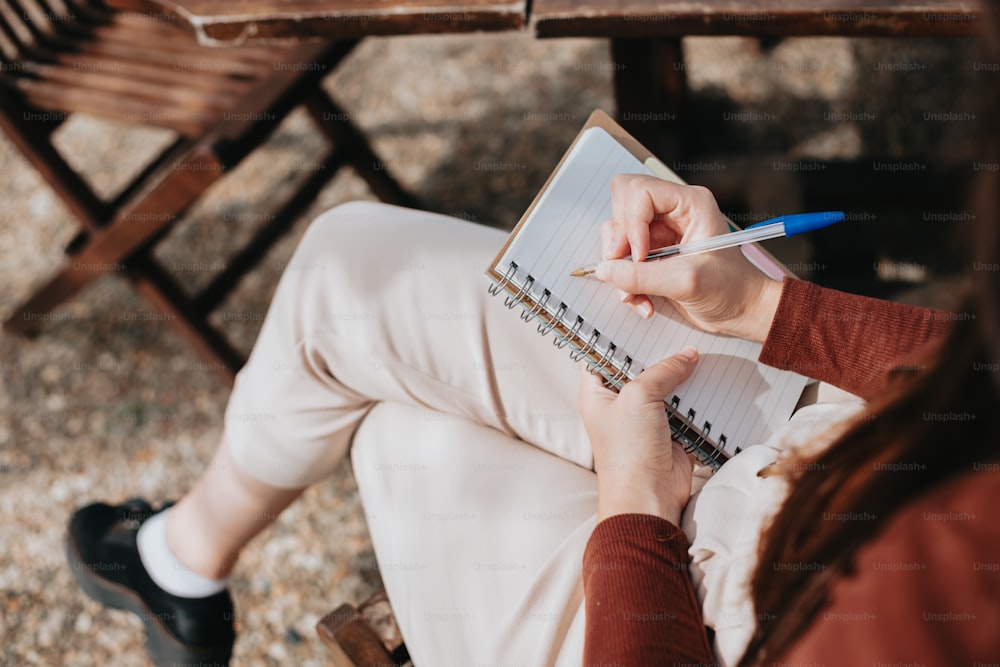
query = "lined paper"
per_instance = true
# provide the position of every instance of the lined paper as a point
(741, 399)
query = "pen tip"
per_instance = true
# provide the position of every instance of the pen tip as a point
(578, 272)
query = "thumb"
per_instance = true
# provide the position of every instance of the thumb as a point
(592, 389)
(664, 376)
(593, 393)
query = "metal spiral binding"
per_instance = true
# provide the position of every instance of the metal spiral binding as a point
(603, 361)
(585, 350)
(512, 301)
(495, 289)
(618, 377)
(563, 339)
(546, 327)
(693, 439)
(529, 315)
(702, 434)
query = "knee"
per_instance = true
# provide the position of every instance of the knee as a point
(340, 233)
(343, 218)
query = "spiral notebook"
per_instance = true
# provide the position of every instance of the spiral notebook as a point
(731, 401)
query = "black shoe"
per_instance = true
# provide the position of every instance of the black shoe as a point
(103, 555)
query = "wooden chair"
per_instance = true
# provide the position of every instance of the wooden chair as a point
(364, 636)
(59, 57)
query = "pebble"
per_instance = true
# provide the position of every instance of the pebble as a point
(83, 623)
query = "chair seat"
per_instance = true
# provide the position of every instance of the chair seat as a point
(128, 68)
(58, 57)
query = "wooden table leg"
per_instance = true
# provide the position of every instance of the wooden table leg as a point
(650, 90)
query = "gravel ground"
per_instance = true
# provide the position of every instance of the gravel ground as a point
(103, 406)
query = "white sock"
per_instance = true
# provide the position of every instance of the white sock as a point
(163, 567)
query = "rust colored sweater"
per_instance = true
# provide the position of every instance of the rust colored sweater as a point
(641, 608)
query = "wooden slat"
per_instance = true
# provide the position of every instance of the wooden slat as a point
(124, 31)
(69, 99)
(653, 18)
(11, 40)
(205, 61)
(128, 37)
(275, 96)
(239, 21)
(101, 80)
(32, 25)
(87, 10)
(112, 56)
(132, 70)
(175, 77)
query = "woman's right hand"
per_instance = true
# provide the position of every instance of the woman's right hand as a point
(720, 292)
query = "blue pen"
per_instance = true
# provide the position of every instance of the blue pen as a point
(786, 225)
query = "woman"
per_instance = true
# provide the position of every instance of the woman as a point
(476, 471)
(472, 464)
(886, 537)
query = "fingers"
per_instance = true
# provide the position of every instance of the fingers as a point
(662, 378)
(650, 213)
(641, 304)
(639, 213)
(655, 383)
(637, 201)
(672, 278)
(614, 245)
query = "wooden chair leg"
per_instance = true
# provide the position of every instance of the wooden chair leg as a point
(334, 122)
(366, 636)
(166, 296)
(106, 249)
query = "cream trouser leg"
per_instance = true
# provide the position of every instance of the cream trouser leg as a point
(473, 464)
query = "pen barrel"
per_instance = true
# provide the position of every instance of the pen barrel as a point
(750, 235)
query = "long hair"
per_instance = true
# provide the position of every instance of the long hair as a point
(933, 424)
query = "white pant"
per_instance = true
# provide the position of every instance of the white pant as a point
(472, 462)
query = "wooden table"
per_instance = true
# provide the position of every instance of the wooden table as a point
(645, 34)
(233, 22)
(646, 40)
(652, 18)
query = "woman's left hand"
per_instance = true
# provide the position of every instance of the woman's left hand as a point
(639, 467)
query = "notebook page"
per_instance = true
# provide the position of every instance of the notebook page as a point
(741, 399)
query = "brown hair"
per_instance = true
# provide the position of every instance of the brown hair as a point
(923, 425)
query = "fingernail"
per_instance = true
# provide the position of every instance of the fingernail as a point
(645, 310)
(603, 271)
(689, 353)
(622, 294)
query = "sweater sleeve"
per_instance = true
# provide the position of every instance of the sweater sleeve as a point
(641, 607)
(923, 593)
(850, 341)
